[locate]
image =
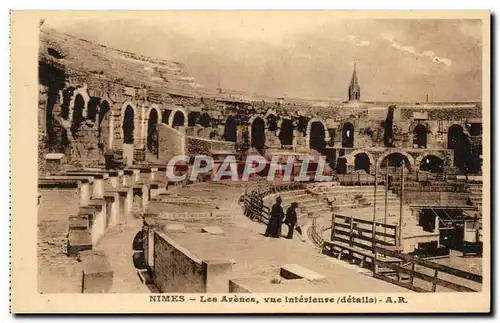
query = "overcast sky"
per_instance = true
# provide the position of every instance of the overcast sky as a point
(304, 54)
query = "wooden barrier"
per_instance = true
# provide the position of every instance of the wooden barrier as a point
(355, 238)
(413, 273)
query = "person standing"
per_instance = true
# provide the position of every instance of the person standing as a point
(291, 219)
(275, 217)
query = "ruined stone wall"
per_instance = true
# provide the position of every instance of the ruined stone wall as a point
(202, 146)
(170, 143)
(175, 269)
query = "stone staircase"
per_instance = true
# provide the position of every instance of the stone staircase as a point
(101, 199)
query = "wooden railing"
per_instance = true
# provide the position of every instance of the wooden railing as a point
(407, 277)
(361, 233)
(255, 209)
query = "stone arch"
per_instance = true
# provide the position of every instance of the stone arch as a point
(347, 134)
(457, 143)
(257, 132)
(431, 163)
(104, 124)
(302, 124)
(178, 118)
(193, 118)
(362, 162)
(93, 108)
(286, 132)
(82, 91)
(420, 136)
(205, 120)
(272, 122)
(361, 151)
(153, 117)
(230, 129)
(410, 160)
(317, 135)
(77, 113)
(128, 123)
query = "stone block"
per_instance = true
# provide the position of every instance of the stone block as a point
(97, 272)
(235, 286)
(175, 228)
(214, 230)
(216, 275)
(54, 163)
(294, 271)
(78, 222)
(78, 240)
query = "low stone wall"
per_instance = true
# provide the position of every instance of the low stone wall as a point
(219, 216)
(202, 146)
(175, 268)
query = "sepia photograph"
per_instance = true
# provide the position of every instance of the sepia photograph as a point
(250, 158)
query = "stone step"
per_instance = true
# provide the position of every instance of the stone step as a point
(79, 240)
(79, 222)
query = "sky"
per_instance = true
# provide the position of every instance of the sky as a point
(303, 54)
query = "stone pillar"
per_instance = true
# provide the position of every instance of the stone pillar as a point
(216, 274)
(84, 193)
(98, 187)
(154, 170)
(129, 205)
(112, 208)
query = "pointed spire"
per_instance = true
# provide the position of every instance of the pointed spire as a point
(354, 88)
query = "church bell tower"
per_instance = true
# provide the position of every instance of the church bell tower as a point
(354, 89)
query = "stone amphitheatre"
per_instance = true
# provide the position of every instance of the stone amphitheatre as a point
(402, 213)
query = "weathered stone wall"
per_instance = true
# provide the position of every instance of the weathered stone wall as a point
(175, 269)
(55, 208)
(170, 143)
(202, 146)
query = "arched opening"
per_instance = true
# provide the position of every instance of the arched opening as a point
(286, 133)
(362, 162)
(457, 142)
(348, 135)
(431, 163)
(78, 107)
(128, 125)
(204, 120)
(302, 125)
(178, 120)
(341, 165)
(230, 129)
(317, 137)
(104, 124)
(258, 134)
(272, 122)
(192, 118)
(395, 160)
(420, 136)
(152, 137)
(92, 109)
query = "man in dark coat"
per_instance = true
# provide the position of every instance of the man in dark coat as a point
(275, 217)
(291, 219)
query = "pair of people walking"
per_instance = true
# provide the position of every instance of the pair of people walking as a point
(276, 219)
